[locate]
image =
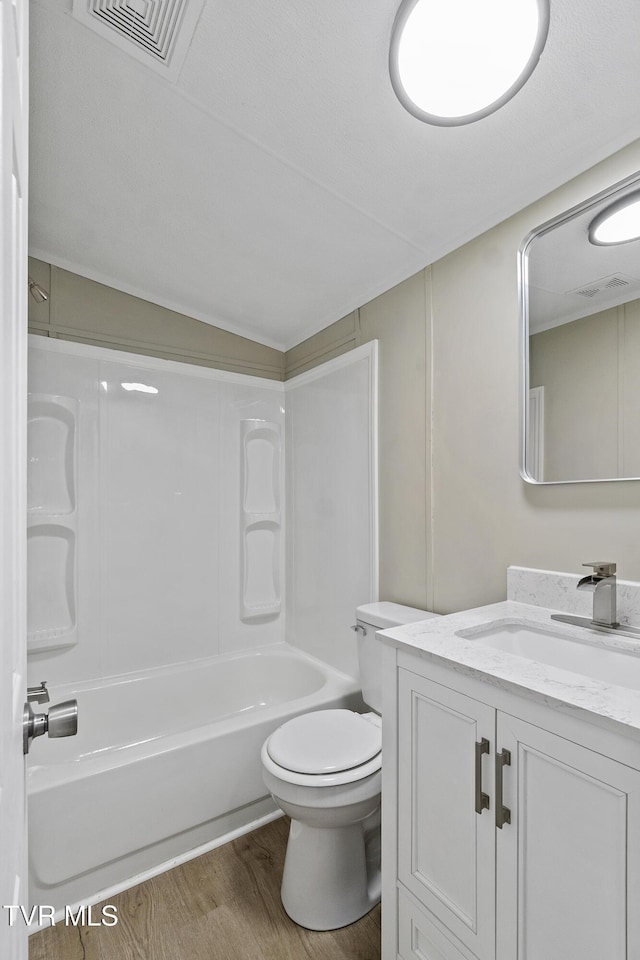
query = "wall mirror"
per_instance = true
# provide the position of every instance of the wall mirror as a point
(579, 277)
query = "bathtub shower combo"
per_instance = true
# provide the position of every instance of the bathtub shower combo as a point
(197, 543)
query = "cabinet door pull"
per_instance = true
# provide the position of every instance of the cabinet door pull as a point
(503, 814)
(482, 799)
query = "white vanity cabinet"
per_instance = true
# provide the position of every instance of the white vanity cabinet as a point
(446, 850)
(512, 831)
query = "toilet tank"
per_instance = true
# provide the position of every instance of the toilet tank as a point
(371, 617)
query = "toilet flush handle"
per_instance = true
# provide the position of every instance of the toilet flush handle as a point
(359, 628)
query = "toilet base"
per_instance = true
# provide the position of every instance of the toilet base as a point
(331, 875)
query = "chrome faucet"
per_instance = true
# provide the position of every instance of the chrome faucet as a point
(602, 582)
(38, 694)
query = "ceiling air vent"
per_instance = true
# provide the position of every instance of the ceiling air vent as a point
(155, 32)
(605, 286)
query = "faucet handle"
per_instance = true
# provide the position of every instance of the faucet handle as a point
(602, 568)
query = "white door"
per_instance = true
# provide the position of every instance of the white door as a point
(13, 421)
(568, 864)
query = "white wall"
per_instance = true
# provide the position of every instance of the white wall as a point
(331, 504)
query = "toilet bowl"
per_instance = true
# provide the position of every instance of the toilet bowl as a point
(323, 769)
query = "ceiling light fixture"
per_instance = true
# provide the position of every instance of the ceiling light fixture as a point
(619, 223)
(455, 61)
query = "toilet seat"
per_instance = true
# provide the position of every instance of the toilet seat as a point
(325, 741)
(325, 748)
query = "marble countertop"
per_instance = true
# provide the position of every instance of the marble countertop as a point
(606, 704)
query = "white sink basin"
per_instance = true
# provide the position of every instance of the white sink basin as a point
(590, 655)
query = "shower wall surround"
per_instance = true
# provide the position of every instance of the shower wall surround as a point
(157, 509)
(332, 555)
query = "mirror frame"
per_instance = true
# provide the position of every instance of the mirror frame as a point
(524, 252)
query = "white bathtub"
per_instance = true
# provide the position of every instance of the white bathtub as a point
(165, 765)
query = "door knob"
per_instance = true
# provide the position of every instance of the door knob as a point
(61, 721)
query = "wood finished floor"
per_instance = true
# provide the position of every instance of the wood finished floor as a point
(224, 905)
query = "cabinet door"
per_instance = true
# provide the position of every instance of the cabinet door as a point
(446, 850)
(568, 863)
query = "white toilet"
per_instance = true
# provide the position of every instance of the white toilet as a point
(324, 770)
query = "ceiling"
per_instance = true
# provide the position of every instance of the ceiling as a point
(273, 182)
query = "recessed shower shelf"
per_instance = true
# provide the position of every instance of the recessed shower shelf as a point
(51, 562)
(257, 519)
(51, 452)
(51, 640)
(258, 611)
(261, 466)
(37, 516)
(51, 522)
(260, 520)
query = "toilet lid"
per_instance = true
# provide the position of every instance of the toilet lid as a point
(325, 741)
